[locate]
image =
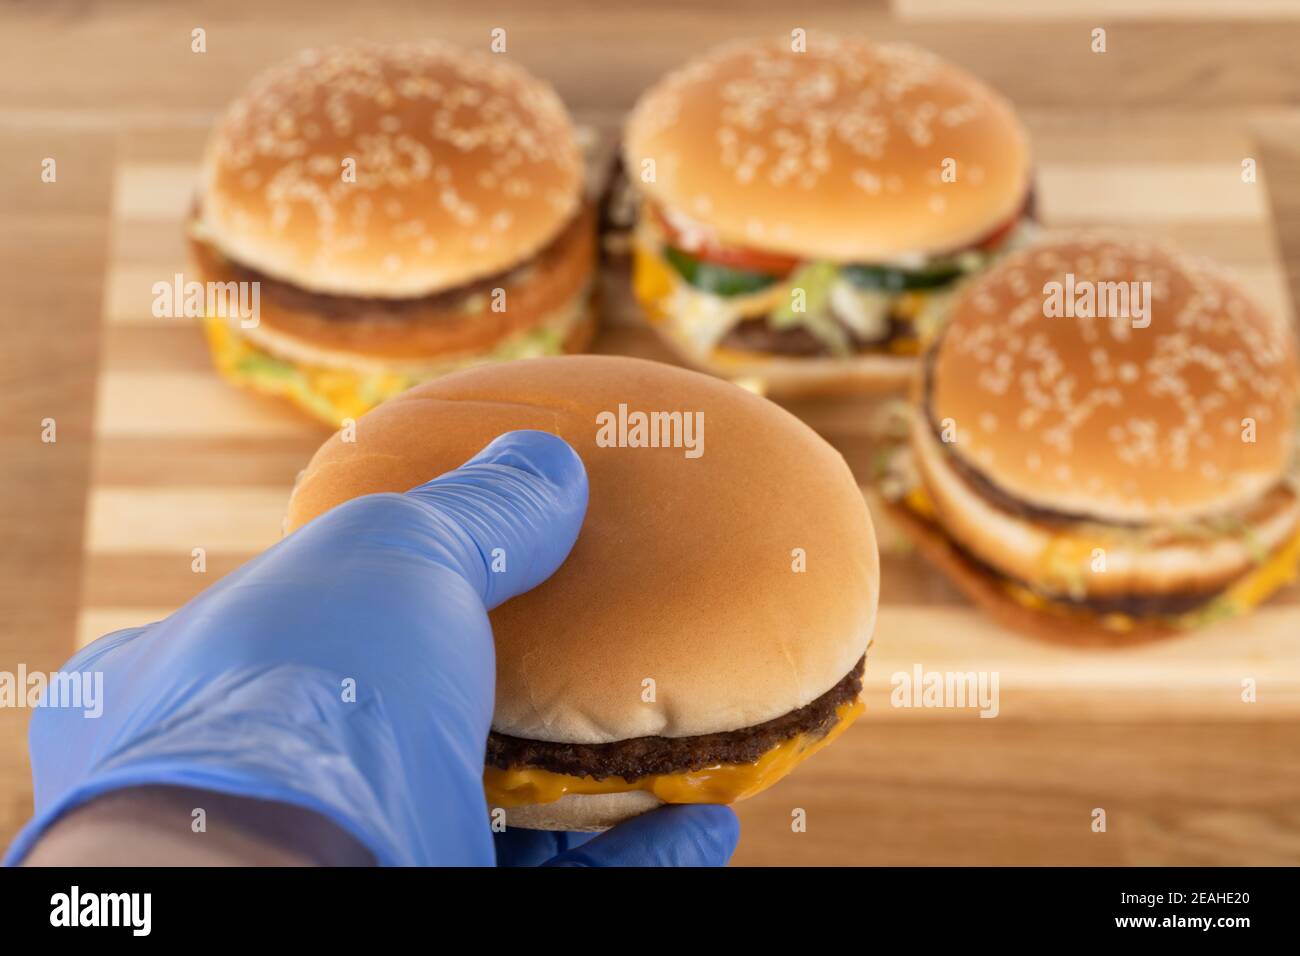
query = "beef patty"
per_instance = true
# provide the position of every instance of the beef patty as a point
(1132, 604)
(642, 756)
(342, 307)
(756, 335)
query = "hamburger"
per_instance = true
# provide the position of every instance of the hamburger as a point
(1103, 443)
(404, 211)
(702, 638)
(806, 213)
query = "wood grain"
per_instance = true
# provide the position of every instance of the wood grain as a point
(989, 792)
(156, 456)
(53, 247)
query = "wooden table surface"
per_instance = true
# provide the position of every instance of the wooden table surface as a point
(154, 455)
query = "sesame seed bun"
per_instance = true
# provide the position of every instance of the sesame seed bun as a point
(835, 153)
(1098, 418)
(465, 165)
(685, 570)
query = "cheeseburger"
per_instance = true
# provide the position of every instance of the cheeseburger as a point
(1104, 446)
(806, 213)
(702, 638)
(405, 211)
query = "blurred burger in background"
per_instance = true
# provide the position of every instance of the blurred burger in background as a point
(807, 209)
(406, 211)
(1103, 445)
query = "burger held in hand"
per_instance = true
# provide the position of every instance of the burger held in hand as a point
(405, 211)
(807, 210)
(1103, 446)
(703, 637)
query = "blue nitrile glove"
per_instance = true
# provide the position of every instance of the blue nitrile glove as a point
(687, 835)
(349, 670)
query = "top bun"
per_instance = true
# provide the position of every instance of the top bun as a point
(685, 570)
(834, 153)
(1098, 418)
(465, 165)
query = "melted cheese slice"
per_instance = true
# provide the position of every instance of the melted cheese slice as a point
(724, 783)
(1281, 568)
(695, 318)
(329, 394)
(652, 281)
(335, 394)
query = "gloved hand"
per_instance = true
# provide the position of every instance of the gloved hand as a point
(688, 835)
(349, 670)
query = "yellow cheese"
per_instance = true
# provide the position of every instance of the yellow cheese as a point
(1066, 561)
(724, 783)
(333, 394)
(1111, 621)
(652, 281)
(1245, 594)
(908, 304)
(905, 346)
(1281, 568)
(920, 502)
(1277, 571)
(328, 393)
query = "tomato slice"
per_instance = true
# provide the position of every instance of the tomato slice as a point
(711, 277)
(778, 265)
(744, 260)
(996, 237)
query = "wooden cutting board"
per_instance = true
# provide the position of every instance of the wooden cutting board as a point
(182, 460)
(1150, 136)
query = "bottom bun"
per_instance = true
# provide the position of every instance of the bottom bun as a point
(873, 373)
(870, 374)
(583, 812)
(1065, 626)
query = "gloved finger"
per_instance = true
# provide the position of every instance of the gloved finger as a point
(699, 834)
(514, 511)
(516, 846)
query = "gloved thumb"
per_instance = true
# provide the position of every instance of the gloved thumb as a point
(698, 834)
(511, 514)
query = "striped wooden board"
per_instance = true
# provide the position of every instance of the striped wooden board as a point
(183, 461)
(1151, 135)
